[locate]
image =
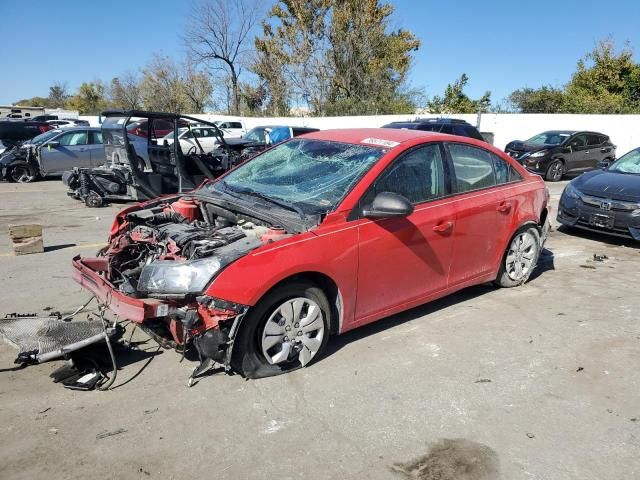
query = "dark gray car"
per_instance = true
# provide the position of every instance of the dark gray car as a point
(556, 152)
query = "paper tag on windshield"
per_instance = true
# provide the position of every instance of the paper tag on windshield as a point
(381, 142)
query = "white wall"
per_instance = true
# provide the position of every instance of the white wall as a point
(624, 130)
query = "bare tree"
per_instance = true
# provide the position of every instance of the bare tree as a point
(161, 86)
(219, 35)
(197, 88)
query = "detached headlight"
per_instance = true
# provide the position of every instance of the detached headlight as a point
(164, 276)
(539, 154)
(572, 192)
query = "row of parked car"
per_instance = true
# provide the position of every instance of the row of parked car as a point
(612, 191)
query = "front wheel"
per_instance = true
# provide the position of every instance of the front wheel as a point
(286, 330)
(521, 258)
(555, 171)
(21, 174)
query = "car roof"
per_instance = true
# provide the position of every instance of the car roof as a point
(79, 127)
(357, 135)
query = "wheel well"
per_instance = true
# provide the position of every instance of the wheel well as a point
(543, 217)
(330, 289)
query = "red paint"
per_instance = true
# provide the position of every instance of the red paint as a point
(187, 207)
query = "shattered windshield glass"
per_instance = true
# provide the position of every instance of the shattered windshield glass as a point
(311, 174)
(629, 163)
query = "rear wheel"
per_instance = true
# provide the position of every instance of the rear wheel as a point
(521, 257)
(286, 330)
(555, 171)
(21, 174)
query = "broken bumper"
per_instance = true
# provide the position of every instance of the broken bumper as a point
(86, 273)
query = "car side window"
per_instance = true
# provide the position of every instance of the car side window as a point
(418, 176)
(593, 140)
(96, 138)
(473, 167)
(235, 125)
(604, 139)
(502, 170)
(72, 139)
(579, 141)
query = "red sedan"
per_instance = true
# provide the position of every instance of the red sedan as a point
(318, 236)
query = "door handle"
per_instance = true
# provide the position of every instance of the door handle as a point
(504, 207)
(443, 227)
(587, 151)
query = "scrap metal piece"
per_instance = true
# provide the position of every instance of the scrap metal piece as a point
(40, 339)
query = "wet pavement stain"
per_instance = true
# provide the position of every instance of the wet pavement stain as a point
(453, 459)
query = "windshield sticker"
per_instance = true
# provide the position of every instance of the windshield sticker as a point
(381, 142)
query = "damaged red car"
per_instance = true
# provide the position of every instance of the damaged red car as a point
(315, 237)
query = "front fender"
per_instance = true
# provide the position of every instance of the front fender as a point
(332, 252)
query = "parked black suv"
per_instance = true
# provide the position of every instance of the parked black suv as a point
(451, 126)
(556, 152)
(13, 132)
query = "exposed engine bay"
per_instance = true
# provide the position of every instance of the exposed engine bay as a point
(171, 251)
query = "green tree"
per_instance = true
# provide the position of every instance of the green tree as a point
(337, 56)
(370, 62)
(455, 100)
(89, 100)
(546, 99)
(604, 82)
(58, 95)
(33, 102)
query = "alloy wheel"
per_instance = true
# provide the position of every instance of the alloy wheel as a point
(521, 256)
(555, 171)
(294, 330)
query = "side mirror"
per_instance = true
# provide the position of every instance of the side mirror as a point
(53, 144)
(388, 204)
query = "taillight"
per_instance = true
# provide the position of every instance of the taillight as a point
(45, 128)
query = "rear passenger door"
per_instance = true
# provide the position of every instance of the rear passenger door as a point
(483, 211)
(577, 159)
(96, 148)
(592, 153)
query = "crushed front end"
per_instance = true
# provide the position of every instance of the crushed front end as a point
(159, 263)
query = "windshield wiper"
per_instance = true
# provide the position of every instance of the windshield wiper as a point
(275, 200)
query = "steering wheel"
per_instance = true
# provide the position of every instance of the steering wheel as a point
(192, 150)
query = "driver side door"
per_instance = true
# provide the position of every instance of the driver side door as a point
(403, 261)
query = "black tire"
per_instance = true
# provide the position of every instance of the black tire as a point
(247, 357)
(21, 174)
(505, 278)
(555, 172)
(93, 200)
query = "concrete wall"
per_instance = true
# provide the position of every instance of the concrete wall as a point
(624, 130)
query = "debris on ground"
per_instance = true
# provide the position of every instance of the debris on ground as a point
(591, 267)
(107, 433)
(580, 369)
(149, 412)
(483, 380)
(45, 410)
(531, 435)
(26, 238)
(53, 431)
(599, 258)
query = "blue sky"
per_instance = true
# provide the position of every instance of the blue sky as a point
(501, 45)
